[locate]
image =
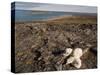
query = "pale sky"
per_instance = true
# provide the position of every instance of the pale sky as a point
(55, 7)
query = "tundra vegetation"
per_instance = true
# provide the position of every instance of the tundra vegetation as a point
(67, 43)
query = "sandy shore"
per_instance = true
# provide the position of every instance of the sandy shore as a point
(67, 19)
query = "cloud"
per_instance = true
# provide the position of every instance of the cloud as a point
(55, 7)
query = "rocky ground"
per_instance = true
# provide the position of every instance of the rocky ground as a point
(40, 45)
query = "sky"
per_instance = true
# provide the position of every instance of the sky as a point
(54, 7)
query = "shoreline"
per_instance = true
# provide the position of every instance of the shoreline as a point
(65, 19)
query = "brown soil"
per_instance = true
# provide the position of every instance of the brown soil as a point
(40, 45)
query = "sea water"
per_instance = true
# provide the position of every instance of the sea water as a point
(30, 15)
